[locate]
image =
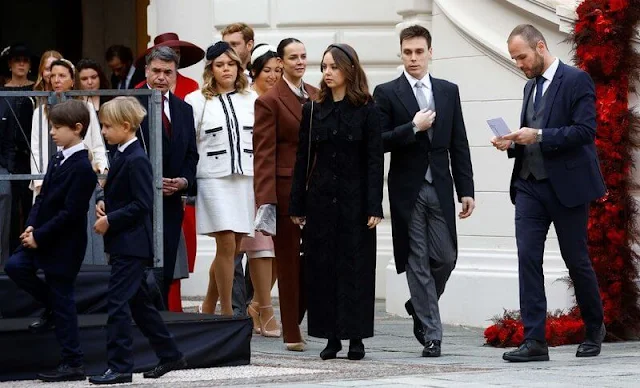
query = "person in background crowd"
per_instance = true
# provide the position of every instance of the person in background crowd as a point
(240, 37)
(266, 70)
(275, 140)
(62, 79)
(124, 74)
(223, 112)
(336, 195)
(179, 154)
(90, 76)
(427, 156)
(44, 70)
(16, 63)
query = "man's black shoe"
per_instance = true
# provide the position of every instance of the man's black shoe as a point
(530, 350)
(44, 323)
(432, 349)
(592, 344)
(418, 330)
(111, 377)
(63, 373)
(165, 367)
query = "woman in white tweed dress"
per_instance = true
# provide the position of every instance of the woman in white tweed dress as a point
(223, 113)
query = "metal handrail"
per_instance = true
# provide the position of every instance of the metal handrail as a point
(154, 110)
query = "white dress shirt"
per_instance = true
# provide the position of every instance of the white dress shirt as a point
(298, 91)
(124, 146)
(548, 76)
(70, 151)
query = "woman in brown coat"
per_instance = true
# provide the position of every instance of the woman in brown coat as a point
(275, 141)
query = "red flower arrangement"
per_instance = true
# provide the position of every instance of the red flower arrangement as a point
(602, 40)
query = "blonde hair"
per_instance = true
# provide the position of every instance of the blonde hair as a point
(210, 87)
(40, 84)
(123, 109)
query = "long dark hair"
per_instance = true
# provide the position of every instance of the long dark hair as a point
(347, 61)
(87, 63)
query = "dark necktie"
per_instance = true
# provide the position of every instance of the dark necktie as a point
(536, 102)
(116, 155)
(166, 124)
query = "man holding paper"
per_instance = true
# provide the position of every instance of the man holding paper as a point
(555, 176)
(420, 183)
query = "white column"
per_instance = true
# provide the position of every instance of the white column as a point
(192, 21)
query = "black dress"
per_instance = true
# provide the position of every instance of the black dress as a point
(345, 188)
(21, 194)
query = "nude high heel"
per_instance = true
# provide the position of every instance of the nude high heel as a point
(275, 333)
(255, 316)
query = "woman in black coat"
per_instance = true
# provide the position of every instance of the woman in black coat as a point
(337, 196)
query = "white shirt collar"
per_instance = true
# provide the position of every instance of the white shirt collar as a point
(124, 146)
(132, 70)
(426, 80)
(298, 91)
(551, 71)
(66, 153)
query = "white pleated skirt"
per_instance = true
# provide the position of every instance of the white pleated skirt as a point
(225, 204)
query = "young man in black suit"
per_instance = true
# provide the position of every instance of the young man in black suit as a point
(56, 237)
(420, 182)
(124, 218)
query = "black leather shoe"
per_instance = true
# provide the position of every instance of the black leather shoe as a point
(592, 344)
(432, 349)
(44, 323)
(331, 351)
(63, 373)
(356, 350)
(165, 367)
(418, 330)
(530, 350)
(111, 377)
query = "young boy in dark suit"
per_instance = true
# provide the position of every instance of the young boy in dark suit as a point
(56, 237)
(124, 218)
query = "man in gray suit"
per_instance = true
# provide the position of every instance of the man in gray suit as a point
(420, 182)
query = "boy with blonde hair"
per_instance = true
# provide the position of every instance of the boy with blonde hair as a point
(124, 219)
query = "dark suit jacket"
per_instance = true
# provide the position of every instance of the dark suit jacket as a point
(59, 215)
(179, 153)
(138, 76)
(275, 140)
(7, 143)
(412, 153)
(129, 203)
(568, 138)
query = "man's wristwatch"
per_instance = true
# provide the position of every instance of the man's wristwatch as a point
(539, 136)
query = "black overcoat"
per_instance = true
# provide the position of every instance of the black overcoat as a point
(344, 189)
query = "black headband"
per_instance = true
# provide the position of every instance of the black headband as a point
(214, 51)
(341, 49)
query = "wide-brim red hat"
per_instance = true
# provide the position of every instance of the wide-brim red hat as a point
(190, 54)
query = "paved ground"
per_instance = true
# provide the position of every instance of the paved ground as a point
(393, 360)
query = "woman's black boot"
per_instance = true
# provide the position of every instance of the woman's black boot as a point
(356, 349)
(331, 351)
